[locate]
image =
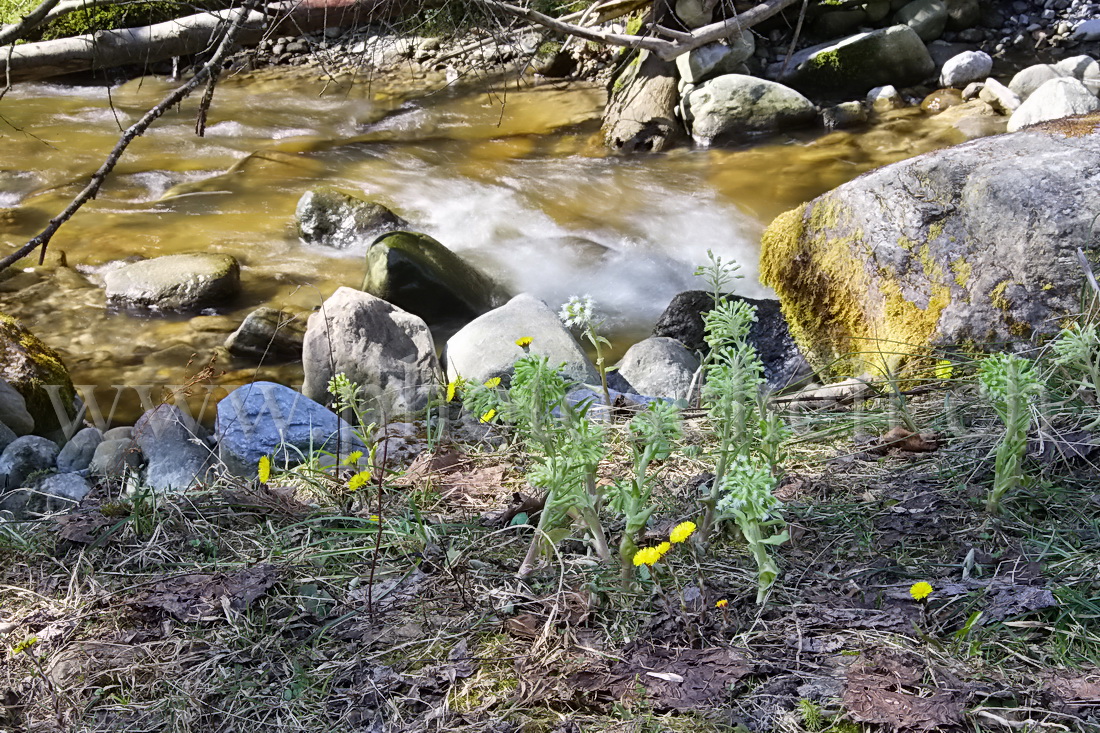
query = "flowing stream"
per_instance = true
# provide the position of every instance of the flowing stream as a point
(514, 179)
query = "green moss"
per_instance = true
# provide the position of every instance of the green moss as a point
(963, 271)
(997, 295)
(548, 49)
(30, 366)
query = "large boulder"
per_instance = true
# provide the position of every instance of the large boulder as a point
(954, 248)
(174, 282)
(387, 351)
(176, 452)
(927, 18)
(486, 347)
(783, 362)
(1082, 68)
(35, 371)
(894, 55)
(658, 367)
(268, 334)
(420, 275)
(734, 105)
(268, 419)
(715, 59)
(26, 456)
(1055, 99)
(336, 219)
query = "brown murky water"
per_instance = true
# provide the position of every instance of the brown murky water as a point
(515, 180)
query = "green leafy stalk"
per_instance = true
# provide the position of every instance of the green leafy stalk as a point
(747, 497)
(580, 313)
(1009, 383)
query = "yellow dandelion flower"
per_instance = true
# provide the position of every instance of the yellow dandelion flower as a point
(920, 590)
(452, 388)
(494, 382)
(24, 645)
(722, 603)
(524, 341)
(646, 556)
(358, 481)
(263, 469)
(681, 532)
(663, 548)
(488, 415)
(352, 458)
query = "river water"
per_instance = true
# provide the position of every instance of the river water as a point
(511, 175)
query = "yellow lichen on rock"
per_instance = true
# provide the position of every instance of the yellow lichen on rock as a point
(30, 366)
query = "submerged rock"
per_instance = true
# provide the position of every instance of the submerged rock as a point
(952, 248)
(336, 219)
(735, 105)
(420, 275)
(175, 282)
(36, 372)
(486, 347)
(389, 352)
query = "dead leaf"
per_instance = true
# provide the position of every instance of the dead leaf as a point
(886, 690)
(526, 625)
(429, 466)
(1068, 446)
(205, 596)
(83, 527)
(902, 439)
(1016, 599)
(1075, 688)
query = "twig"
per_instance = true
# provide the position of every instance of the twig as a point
(1087, 267)
(136, 130)
(10, 33)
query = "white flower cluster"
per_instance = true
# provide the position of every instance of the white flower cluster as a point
(578, 311)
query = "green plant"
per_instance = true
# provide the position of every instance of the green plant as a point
(580, 313)
(747, 497)
(1077, 352)
(1009, 383)
(812, 717)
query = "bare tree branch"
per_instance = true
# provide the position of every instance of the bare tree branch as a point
(36, 17)
(239, 17)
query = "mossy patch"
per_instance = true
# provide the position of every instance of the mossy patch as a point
(997, 296)
(962, 271)
(30, 366)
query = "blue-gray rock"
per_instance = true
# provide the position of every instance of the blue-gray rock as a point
(598, 409)
(177, 456)
(114, 456)
(658, 367)
(6, 436)
(13, 410)
(124, 432)
(268, 419)
(26, 455)
(57, 492)
(76, 455)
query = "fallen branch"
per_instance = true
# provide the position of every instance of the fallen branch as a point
(11, 33)
(239, 18)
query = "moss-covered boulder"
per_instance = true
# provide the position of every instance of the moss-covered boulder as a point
(963, 247)
(35, 370)
(420, 275)
(854, 65)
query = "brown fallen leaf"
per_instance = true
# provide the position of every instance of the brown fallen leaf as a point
(886, 690)
(205, 596)
(902, 439)
(84, 527)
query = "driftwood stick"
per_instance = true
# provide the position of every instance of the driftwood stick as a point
(135, 130)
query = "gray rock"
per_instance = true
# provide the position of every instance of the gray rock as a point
(693, 14)
(25, 456)
(13, 410)
(1083, 68)
(878, 266)
(175, 282)
(420, 275)
(928, 18)
(1087, 30)
(962, 14)
(486, 347)
(972, 90)
(658, 367)
(384, 349)
(1028, 80)
(114, 456)
(268, 419)
(6, 436)
(336, 219)
(123, 432)
(176, 454)
(885, 98)
(715, 59)
(894, 55)
(268, 334)
(51, 494)
(999, 97)
(735, 105)
(1057, 98)
(76, 455)
(846, 114)
(965, 68)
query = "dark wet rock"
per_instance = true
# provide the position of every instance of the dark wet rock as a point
(928, 18)
(36, 372)
(175, 282)
(267, 334)
(658, 367)
(389, 352)
(847, 114)
(553, 62)
(176, 453)
(734, 105)
(77, 454)
(420, 275)
(336, 219)
(486, 347)
(13, 410)
(26, 456)
(894, 55)
(941, 250)
(769, 335)
(268, 419)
